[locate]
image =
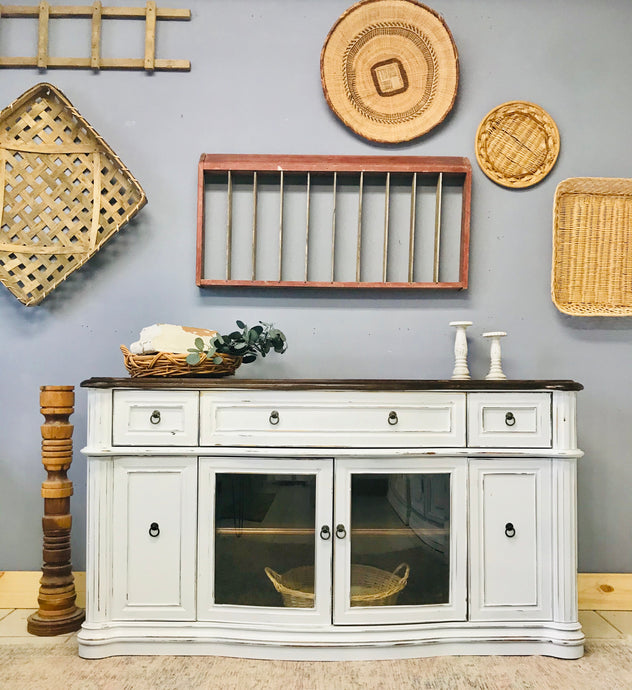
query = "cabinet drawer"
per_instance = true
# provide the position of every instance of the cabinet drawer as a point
(154, 418)
(294, 418)
(509, 420)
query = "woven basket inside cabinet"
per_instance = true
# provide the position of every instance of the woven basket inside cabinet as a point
(172, 364)
(592, 248)
(63, 193)
(369, 586)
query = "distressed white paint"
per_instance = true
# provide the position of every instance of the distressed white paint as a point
(511, 603)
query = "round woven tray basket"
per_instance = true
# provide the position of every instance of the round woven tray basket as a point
(171, 364)
(369, 586)
(517, 144)
(390, 69)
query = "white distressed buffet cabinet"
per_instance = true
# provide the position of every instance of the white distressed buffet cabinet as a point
(331, 519)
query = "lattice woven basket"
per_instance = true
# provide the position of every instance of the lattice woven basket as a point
(172, 364)
(369, 586)
(592, 251)
(63, 193)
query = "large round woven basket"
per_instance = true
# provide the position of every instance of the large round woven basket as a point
(389, 69)
(171, 364)
(517, 144)
(369, 586)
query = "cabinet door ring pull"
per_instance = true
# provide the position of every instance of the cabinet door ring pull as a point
(510, 420)
(154, 529)
(341, 532)
(155, 417)
(325, 533)
(274, 417)
(510, 530)
(392, 418)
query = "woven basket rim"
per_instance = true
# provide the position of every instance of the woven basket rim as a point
(152, 364)
(496, 163)
(393, 583)
(400, 114)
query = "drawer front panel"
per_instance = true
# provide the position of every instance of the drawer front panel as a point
(509, 420)
(292, 418)
(154, 418)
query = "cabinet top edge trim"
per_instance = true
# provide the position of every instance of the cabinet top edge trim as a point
(333, 384)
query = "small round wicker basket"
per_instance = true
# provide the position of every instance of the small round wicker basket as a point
(370, 586)
(171, 364)
(517, 144)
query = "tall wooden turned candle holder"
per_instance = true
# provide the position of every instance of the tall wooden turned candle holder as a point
(57, 612)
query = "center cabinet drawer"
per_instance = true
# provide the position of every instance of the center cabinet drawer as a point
(155, 418)
(365, 419)
(509, 420)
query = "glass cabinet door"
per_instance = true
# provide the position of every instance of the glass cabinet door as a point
(265, 540)
(400, 540)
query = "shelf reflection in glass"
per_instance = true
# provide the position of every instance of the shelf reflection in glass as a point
(264, 523)
(400, 539)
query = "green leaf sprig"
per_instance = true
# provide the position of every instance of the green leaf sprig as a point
(247, 343)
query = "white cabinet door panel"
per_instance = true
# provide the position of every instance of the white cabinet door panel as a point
(404, 518)
(154, 538)
(264, 521)
(510, 533)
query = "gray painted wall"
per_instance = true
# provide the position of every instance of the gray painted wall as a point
(255, 88)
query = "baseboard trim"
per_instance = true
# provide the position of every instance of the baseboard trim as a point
(597, 591)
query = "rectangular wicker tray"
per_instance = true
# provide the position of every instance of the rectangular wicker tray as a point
(592, 248)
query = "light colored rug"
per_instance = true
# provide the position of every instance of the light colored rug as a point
(606, 664)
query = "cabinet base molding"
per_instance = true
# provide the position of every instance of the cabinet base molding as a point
(560, 641)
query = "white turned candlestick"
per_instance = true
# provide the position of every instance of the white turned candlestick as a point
(495, 367)
(461, 372)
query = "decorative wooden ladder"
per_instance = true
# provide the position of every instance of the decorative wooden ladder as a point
(44, 12)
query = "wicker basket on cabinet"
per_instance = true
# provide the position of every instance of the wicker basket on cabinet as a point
(163, 364)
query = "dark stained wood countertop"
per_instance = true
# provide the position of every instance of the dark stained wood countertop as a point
(333, 384)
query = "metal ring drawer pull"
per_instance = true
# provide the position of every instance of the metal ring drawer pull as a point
(510, 420)
(510, 530)
(341, 532)
(392, 418)
(155, 417)
(325, 533)
(274, 417)
(154, 529)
